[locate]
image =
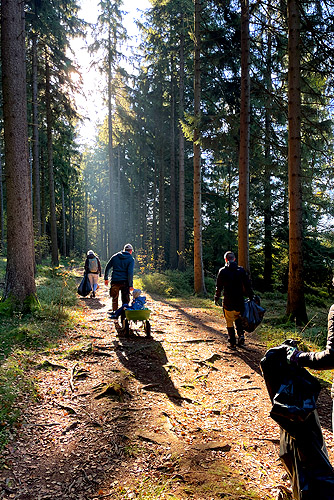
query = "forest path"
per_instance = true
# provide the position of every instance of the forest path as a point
(125, 418)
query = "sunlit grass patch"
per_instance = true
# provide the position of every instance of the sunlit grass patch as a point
(23, 336)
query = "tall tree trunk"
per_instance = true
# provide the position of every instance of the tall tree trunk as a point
(63, 210)
(181, 248)
(70, 224)
(86, 221)
(154, 214)
(243, 220)
(296, 301)
(173, 226)
(43, 194)
(162, 204)
(268, 258)
(199, 284)
(111, 245)
(20, 280)
(53, 220)
(35, 143)
(2, 215)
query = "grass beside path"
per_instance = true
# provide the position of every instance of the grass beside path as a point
(21, 335)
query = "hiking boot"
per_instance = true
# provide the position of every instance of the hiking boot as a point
(231, 335)
(233, 347)
(93, 294)
(241, 341)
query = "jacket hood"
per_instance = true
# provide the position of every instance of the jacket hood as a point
(124, 255)
(232, 265)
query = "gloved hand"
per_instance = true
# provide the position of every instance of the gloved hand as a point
(292, 355)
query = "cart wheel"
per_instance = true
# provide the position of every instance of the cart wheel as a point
(126, 327)
(147, 328)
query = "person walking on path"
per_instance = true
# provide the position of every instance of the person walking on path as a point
(319, 360)
(122, 264)
(234, 282)
(93, 270)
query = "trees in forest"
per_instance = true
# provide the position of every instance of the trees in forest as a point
(296, 302)
(243, 217)
(158, 127)
(198, 259)
(20, 285)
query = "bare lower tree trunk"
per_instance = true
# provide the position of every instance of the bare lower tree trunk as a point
(296, 300)
(35, 143)
(199, 285)
(2, 215)
(43, 193)
(173, 228)
(268, 258)
(243, 221)
(181, 249)
(53, 220)
(63, 218)
(111, 244)
(20, 281)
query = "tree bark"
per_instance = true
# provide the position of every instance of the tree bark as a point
(35, 143)
(2, 214)
(199, 285)
(53, 220)
(111, 245)
(63, 210)
(243, 221)
(173, 228)
(20, 281)
(296, 301)
(181, 250)
(268, 258)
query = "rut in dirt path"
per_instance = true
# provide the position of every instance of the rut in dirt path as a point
(114, 411)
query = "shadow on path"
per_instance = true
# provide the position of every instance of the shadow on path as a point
(252, 354)
(145, 358)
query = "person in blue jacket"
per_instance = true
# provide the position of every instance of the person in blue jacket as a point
(122, 264)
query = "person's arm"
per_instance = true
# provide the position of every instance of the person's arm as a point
(99, 267)
(130, 273)
(106, 271)
(321, 360)
(219, 287)
(86, 266)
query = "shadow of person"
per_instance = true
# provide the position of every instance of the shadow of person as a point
(93, 303)
(145, 358)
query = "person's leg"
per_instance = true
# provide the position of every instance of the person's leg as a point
(91, 278)
(114, 293)
(240, 332)
(95, 280)
(229, 317)
(125, 294)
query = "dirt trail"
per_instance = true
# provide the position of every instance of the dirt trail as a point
(114, 411)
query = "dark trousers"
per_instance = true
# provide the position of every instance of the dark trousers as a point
(115, 288)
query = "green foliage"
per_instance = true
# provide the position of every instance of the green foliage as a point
(172, 283)
(22, 334)
(12, 385)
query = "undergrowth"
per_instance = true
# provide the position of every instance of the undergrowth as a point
(22, 335)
